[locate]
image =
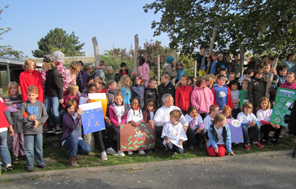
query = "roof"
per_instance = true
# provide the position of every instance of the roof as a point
(13, 61)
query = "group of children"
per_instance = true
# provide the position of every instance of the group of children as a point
(205, 102)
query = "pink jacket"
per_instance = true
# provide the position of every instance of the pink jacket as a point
(70, 78)
(288, 85)
(113, 117)
(202, 99)
(143, 70)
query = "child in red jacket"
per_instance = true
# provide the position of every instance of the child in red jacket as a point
(183, 93)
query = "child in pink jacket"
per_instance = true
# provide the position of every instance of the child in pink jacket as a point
(143, 70)
(202, 97)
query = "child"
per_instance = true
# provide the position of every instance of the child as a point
(33, 125)
(214, 110)
(6, 122)
(221, 65)
(243, 93)
(100, 71)
(290, 63)
(202, 97)
(143, 70)
(256, 88)
(118, 115)
(263, 114)
(282, 70)
(72, 133)
(227, 112)
(249, 121)
(195, 128)
(231, 76)
(123, 72)
(149, 110)
(214, 62)
(138, 89)
(71, 74)
(183, 93)
(219, 137)
(169, 69)
(111, 90)
(173, 134)
(180, 70)
(134, 117)
(222, 93)
(248, 73)
(236, 65)
(234, 85)
(14, 103)
(124, 88)
(166, 87)
(202, 61)
(99, 84)
(71, 94)
(151, 92)
(290, 84)
(209, 81)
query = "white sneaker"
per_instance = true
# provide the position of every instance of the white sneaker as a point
(111, 151)
(130, 153)
(104, 156)
(121, 153)
(141, 152)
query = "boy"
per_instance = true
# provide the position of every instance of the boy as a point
(243, 93)
(173, 133)
(123, 71)
(33, 125)
(150, 91)
(220, 65)
(100, 71)
(166, 87)
(231, 76)
(202, 61)
(236, 66)
(214, 62)
(248, 73)
(222, 93)
(256, 88)
(214, 110)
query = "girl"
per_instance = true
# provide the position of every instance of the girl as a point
(118, 114)
(183, 93)
(290, 84)
(151, 91)
(14, 103)
(99, 83)
(209, 81)
(234, 86)
(124, 88)
(72, 133)
(143, 69)
(263, 114)
(180, 70)
(219, 137)
(249, 121)
(71, 74)
(134, 117)
(53, 93)
(111, 90)
(227, 112)
(138, 89)
(202, 97)
(195, 128)
(71, 94)
(149, 110)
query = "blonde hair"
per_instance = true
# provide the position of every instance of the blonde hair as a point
(74, 67)
(32, 89)
(72, 89)
(98, 79)
(26, 63)
(245, 81)
(219, 117)
(124, 82)
(176, 114)
(247, 105)
(227, 108)
(12, 84)
(213, 107)
(165, 75)
(207, 77)
(50, 65)
(262, 100)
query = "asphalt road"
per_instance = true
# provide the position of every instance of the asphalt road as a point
(262, 170)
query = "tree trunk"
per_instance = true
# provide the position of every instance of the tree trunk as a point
(211, 48)
(136, 52)
(174, 55)
(270, 76)
(158, 69)
(96, 51)
(195, 68)
(241, 59)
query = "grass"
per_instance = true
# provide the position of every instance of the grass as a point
(57, 157)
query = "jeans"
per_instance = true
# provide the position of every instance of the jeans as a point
(52, 109)
(192, 136)
(255, 129)
(117, 131)
(75, 145)
(4, 152)
(174, 148)
(34, 143)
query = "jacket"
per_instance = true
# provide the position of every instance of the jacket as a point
(182, 97)
(199, 62)
(151, 93)
(120, 74)
(288, 86)
(143, 70)
(146, 115)
(229, 99)
(256, 90)
(54, 84)
(69, 124)
(167, 68)
(213, 137)
(165, 89)
(138, 92)
(113, 117)
(202, 99)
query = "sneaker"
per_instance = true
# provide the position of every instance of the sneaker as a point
(275, 141)
(8, 168)
(130, 153)
(141, 152)
(58, 130)
(259, 145)
(73, 162)
(121, 153)
(42, 166)
(171, 153)
(104, 156)
(266, 142)
(51, 130)
(248, 147)
(14, 159)
(30, 169)
(111, 151)
(191, 148)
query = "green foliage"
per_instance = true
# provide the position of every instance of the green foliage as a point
(115, 62)
(261, 26)
(58, 39)
(3, 30)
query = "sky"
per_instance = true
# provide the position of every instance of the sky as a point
(112, 22)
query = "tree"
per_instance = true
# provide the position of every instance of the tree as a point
(257, 25)
(58, 39)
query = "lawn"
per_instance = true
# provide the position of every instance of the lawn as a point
(56, 158)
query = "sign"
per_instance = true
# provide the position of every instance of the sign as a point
(142, 137)
(283, 100)
(236, 130)
(99, 97)
(92, 117)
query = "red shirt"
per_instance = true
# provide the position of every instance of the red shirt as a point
(4, 122)
(102, 91)
(182, 97)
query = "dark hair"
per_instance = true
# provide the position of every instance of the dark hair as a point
(148, 102)
(202, 47)
(282, 67)
(151, 79)
(234, 82)
(123, 64)
(89, 78)
(110, 82)
(91, 85)
(248, 71)
(139, 103)
(222, 69)
(81, 63)
(235, 54)
(190, 109)
(199, 81)
(135, 77)
(220, 76)
(289, 55)
(141, 60)
(71, 103)
(256, 71)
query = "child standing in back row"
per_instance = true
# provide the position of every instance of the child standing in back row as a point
(234, 85)
(222, 93)
(124, 88)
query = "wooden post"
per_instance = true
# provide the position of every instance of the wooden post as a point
(270, 76)
(211, 48)
(136, 52)
(158, 69)
(96, 51)
(195, 68)
(241, 59)
(174, 55)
